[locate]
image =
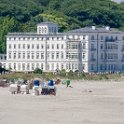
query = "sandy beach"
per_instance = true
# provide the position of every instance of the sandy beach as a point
(88, 102)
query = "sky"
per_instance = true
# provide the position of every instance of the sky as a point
(118, 1)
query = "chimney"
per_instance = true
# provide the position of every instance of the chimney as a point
(93, 27)
(107, 28)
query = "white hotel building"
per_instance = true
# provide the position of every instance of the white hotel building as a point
(88, 49)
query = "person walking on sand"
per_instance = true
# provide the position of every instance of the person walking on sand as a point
(68, 82)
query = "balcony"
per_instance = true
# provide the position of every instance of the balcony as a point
(92, 49)
(93, 60)
(110, 40)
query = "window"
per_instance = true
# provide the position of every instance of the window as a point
(32, 46)
(39, 30)
(83, 56)
(48, 55)
(23, 66)
(62, 46)
(102, 57)
(52, 66)
(10, 55)
(74, 46)
(92, 46)
(92, 56)
(116, 38)
(14, 57)
(23, 46)
(45, 30)
(14, 66)
(83, 66)
(66, 66)
(101, 67)
(84, 37)
(47, 46)
(53, 55)
(57, 55)
(42, 55)
(84, 45)
(52, 46)
(42, 66)
(14, 46)
(23, 55)
(48, 67)
(62, 55)
(72, 66)
(19, 66)
(37, 46)
(57, 46)
(28, 66)
(62, 66)
(41, 46)
(37, 56)
(101, 37)
(37, 65)
(9, 46)
(19, 46)
(122, 47)
(32, 55)
(10, 67)
(28, 46)
(69, 65)
(107, 38)
(32, 66)
(111, 38)
(28, 55)
(92, 67)
(92, 37)
(101, 46)
(19, 55)
(57, 66)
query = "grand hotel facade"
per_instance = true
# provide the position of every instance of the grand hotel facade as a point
(88, 49)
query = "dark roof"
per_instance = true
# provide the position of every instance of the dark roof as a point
(47, 23)
(96, 30)
(17, 34)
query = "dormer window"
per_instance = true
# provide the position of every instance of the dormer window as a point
(101, 37)
(47, 28)
(92, 37)
(106, 38)
(116, 38)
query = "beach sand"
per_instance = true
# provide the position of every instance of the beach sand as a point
(88, 102)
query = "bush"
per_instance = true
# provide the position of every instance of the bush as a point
(38, 71)
(63, 73)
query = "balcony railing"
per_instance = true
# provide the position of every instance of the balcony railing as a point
(93, 49)
(110, 40)
(93, 59)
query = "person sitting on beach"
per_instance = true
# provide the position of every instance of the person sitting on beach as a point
(44, 88)
(51, 87)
